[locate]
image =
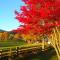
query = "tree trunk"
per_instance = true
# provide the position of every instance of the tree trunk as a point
(55, 41)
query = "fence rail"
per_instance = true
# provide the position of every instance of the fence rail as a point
(18, 50)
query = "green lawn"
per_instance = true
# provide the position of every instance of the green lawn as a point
(42, 58)
(10, 43)
(47, 55)
(54, 58)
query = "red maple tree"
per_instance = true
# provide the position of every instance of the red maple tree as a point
(39, 17)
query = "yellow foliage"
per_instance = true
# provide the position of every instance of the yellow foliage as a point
(30, 37)
(4, 36)
(17, 36)
(0, 36)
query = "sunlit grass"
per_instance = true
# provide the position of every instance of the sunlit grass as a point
(11, 43)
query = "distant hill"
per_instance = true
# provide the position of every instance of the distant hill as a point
(10, 32)
(2, 30)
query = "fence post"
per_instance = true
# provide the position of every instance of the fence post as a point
(43, 43)
(10, 54)
(0, 54)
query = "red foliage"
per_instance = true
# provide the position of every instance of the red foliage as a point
(39, 16)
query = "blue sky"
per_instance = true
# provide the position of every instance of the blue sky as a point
(7, 15)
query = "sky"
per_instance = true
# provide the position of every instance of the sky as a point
(7, 15)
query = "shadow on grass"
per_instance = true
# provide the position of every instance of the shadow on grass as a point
(47, 55)
(50, 54)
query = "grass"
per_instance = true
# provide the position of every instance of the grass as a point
(42, 58)
(48, 56)
(10, 43)
(54, 58)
